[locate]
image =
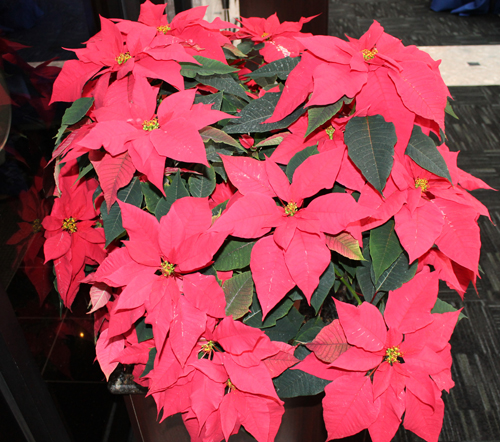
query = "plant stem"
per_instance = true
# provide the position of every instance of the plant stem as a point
(349, 287)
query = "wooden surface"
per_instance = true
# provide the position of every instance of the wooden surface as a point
(288, 10)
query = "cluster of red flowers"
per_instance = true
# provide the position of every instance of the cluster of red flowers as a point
(336, 157)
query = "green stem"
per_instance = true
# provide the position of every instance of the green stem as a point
(353, 292)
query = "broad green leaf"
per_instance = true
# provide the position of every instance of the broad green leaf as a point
(202, 186)
(207, 66)
(298, 159)
(256, 112)
(265, 82)
(152, 195)
(150, 363)
(254, 316)
(233, 255)
(399, 272)
(423, 151)
(214, 99)
(293, 383)
(344, 244)
(385, 247)
(246, 46)
(309, 330)
(370, 143)
(231, 104)
(443, 307)
(287, 327)
(77, 111)
(223, 83)
(73, 115)
(112, 221)
(219, 136)
(280, 68)
(326, 281)
(144, 331)
(238, 292)
(176, 190)
(318, 115)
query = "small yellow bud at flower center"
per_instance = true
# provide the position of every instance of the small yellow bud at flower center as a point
(167, 269)
(69, 224)
(230, 385)
(150, 125)
(392, 354)
(291, 208)
(369, 55)
(422, 183)
(208, 347)
(123, 57)
(164, 29)
(265, 34)
(330, 131)
(37, 225)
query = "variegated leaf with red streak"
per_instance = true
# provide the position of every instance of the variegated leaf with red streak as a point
(330, 342)
(344, 244)
(100, 294)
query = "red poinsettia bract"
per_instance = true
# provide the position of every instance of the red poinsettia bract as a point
(72, 237)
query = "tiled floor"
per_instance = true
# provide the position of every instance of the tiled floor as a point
(62, 343)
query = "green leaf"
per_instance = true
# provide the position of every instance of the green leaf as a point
(280, 68)
(423, 151)
(246, 46)
(77, 111)
(364, 272)
(344, 244)
(207, 67)
(73, 115)
(319, 115)
(370, 143)
(399, 272)
(309, 330)
(298, 159)
(287, 327)
(219, 208)
(112, 221)
(444, 307)
(449, 110)
(219, 136)
(326, 281)
(214, 99)
(202, 186)
(150, 363)
(84, 170)
(254, 316)
(238, 292)
(152, 195)
(233, 255)
(176, 190)
(144, 331)
(293, 383)
(259, 110)
(223, 83)
(385, 247)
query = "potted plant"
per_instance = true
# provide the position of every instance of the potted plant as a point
(264, 214)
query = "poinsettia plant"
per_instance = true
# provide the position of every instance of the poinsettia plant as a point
(263, 214)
